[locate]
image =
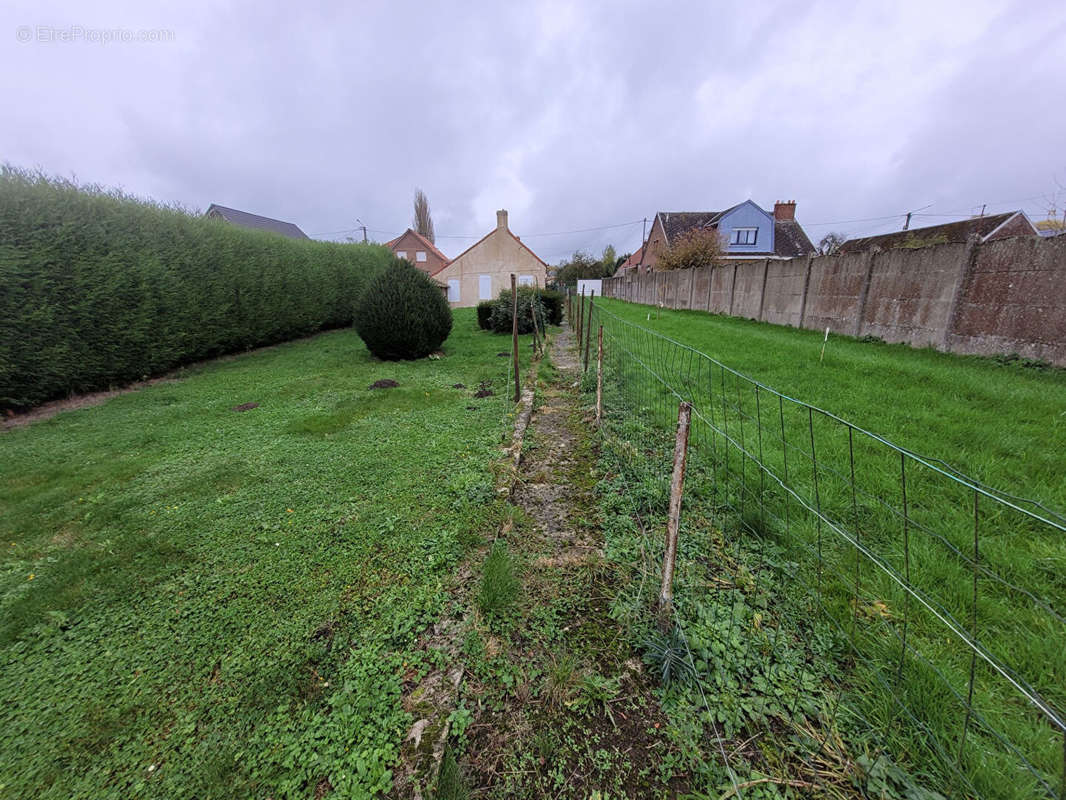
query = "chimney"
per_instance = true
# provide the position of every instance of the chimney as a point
(786, 212)
(501, 219)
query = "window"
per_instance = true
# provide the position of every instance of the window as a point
(401, 254)
(484, 287)
(525, 280)
(743, 235)
(453, 290)
(420, 255)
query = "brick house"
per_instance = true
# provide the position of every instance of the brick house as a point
(985, 228)
(419, 250)
(748, 232)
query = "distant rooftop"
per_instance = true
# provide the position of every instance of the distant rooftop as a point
(247, 220)
(949, 232)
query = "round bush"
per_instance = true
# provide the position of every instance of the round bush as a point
(403, 313)
(529, 303)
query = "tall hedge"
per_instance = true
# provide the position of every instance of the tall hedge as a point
(98, 288)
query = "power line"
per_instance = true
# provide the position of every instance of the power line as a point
(900, 216)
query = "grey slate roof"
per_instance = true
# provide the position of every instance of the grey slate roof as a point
(790, 240)
(246, 220)
(677, 222)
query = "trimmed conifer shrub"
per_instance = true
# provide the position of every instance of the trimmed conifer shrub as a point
(484, 314)
(403, 313)
(99, 288)
(529, 303)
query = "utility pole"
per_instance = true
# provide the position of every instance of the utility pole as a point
(643, 241)
(907, 224)
(361, 225)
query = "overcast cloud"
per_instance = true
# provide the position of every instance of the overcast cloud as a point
(570, 115)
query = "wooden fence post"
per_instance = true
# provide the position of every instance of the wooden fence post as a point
(673, 521)
(580, 318)
(514, 336)
(599, 379)
(588, 331)
(537, 347)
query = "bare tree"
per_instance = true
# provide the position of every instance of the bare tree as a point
(830, 243)
(698, 247)
(423, 222)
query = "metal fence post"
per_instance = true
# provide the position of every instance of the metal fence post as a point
(599, 379)
(514, 337)
(580, 318)
(677, 487)
(588, 331)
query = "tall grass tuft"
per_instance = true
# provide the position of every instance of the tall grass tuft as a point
(499, 585)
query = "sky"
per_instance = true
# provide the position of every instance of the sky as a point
(580, 118)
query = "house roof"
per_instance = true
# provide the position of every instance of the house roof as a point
(634, 259)
(790, 240)
(958, 231)
(422, 239)
(247, 220)
(486, 236)
(677, 222)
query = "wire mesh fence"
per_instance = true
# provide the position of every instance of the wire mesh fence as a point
(899, 591)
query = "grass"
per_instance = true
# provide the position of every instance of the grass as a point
(499, 586)
(198, 602)
(1001, 422)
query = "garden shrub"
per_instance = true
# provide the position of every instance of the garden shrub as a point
(553, 306)
(529, 303)
(403, 313)
(98, 288)
(484, 314)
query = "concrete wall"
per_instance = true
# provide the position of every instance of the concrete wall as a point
(1004, 296)
(1013, 300)
(786, 285)
(905, 304)
(835, 292)
(748, 288)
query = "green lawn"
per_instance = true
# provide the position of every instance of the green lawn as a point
(199, 602)
(1004, 424)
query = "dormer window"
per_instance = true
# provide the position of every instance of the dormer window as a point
(744, 236)
(420, 256)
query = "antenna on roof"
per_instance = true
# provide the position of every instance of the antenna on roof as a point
(907, 222)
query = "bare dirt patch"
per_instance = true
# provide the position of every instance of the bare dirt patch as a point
(245, 407)
(45, 411)
(385, 383)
